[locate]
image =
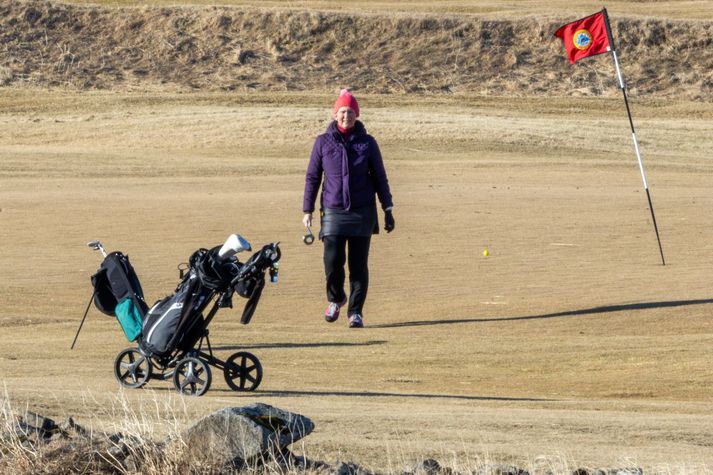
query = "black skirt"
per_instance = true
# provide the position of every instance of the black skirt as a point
(354, 222)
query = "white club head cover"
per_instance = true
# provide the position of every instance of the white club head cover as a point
(234, 244)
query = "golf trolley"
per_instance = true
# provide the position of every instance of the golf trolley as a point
(172, 334)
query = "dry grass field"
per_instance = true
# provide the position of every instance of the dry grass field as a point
(569, 345)
(243, 48)
(698, 9)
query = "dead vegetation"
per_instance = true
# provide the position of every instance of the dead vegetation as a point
(231, 48)
(32, 444)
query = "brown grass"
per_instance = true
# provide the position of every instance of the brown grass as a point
(245, 49)
(570, 341)
(131, 444)
(693, 9)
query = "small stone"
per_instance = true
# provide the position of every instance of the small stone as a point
(501, 470)
(609, 471)
(70, 427)
(131, 464)
(427, 467)
(348, 468)
(39, 423)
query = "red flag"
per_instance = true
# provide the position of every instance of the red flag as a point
(586, 37)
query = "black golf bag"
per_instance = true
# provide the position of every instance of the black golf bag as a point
(172, 332)
(117, 292)
(163, 321)
(177, 321)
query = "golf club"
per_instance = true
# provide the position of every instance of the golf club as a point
(97, 246)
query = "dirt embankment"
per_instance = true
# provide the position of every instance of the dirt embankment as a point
(221, 48)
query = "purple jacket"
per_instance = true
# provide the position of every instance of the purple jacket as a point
(353, 171)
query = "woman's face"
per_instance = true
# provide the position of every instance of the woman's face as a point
(345, 117)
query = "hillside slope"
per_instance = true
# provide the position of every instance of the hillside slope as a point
(223, 48)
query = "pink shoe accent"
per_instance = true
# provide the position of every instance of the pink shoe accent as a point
(331, 314)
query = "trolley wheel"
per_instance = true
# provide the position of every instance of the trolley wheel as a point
(243, 371)
(192, 376)
(132, 369)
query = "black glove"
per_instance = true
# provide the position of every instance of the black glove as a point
(389, 223)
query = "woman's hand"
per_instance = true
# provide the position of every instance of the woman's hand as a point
(389, 223)
(307, 220)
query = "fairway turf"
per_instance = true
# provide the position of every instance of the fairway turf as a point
(569, 341)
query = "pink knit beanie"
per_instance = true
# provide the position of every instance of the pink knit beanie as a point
(346, 99)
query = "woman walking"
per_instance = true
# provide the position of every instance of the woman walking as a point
(347, 162)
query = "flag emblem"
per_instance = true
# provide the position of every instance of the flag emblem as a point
(582, 39)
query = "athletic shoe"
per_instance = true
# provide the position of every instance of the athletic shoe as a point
(355, 321)
(332, 312)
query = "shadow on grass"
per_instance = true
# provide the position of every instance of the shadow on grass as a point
(568, 313)
(379, 394)
(323, 344)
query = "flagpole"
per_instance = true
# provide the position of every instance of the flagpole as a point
(633, 134)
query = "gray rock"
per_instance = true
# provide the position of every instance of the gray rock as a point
(70, 428)
(25, 430)
(349, 468)
(131, 464)
(302, 463)
(234, 436)
(34, 428)
(38, 422)
(501, 470)
(609, 471)
(427, 467)
(123, 445)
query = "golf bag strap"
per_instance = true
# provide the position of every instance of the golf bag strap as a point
(185, 313)
(251, 305)
(91, 299)
(138, 302)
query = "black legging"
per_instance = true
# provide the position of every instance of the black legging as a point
(335, 255)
